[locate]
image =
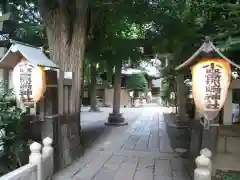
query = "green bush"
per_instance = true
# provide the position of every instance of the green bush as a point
(137, 82)
(12, 127)
(231, 176)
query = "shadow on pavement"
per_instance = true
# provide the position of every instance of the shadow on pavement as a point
(91, 134)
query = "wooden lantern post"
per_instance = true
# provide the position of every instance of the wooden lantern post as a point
(208, 63)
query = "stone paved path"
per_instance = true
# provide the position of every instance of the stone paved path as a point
(139, 151)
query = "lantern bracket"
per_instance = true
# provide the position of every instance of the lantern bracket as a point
(207, 123)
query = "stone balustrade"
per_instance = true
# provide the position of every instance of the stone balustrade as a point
(40, 165)
(204, 165)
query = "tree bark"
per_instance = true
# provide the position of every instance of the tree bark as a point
(93, 94)
(67, 48)
(82, 86)
(66, 31)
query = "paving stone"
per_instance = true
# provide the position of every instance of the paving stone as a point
(231, 145)
(143, 174)
(162, 168)
(112, 166)
(105, 174)
(116, 159)
(153, 144)
(134, 152)
(177, 175)
(145, 163)
(165, 144)
(92, 168)
(126, 171)
(152, 149)
(141, 145)
(132, 160)
(162, 178)
(178, 164)
(131, 142)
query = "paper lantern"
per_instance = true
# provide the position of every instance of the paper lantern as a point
(29, 82)
(210, 82)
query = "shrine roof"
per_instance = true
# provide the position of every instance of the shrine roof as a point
(207, 47)
(34, 55)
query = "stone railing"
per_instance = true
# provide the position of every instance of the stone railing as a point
(204, 165)
(40, 165)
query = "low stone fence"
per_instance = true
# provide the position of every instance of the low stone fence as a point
(40, 165)
(204, 165)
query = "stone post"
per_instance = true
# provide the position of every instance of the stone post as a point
(116, 118)
(227, 112)
(202, 172)
(47, 152)
(207, 153)
(36, 158)
(181, 98)
(47, 147)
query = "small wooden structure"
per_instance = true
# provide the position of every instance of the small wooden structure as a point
(53, 116)
(222, 138)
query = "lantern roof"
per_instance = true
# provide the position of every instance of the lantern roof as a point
(207, 48)
(33, 54)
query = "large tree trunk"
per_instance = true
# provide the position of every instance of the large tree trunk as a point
(116, 118)
(66, 31)
(93, 89)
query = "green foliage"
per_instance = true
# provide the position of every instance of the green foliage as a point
(87, 71)
(230, 176)
(137, 82)
(12, 128)
(169, 84)
(29, 27)
(118, 29)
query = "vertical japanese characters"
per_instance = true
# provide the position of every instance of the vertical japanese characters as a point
(210, 81)
(29, 82)
(213, 86)
(25, 90)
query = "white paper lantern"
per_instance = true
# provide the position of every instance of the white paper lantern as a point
(29, 82)
(210, 83)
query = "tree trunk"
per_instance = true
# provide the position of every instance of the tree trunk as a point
(82, 87)
(93, 90)
(116, 118)
(66, 32)
(176, 103)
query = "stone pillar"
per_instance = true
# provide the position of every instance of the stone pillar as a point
(36, 158)
(227, 109)
(202, 172)
(116, 118)
(150, 83)
(181, 98)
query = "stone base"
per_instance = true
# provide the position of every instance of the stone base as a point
(116, 120)
(94, 109)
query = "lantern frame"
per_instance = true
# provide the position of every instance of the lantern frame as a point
(206, 50)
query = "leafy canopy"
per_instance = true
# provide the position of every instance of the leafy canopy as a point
(137, 82)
